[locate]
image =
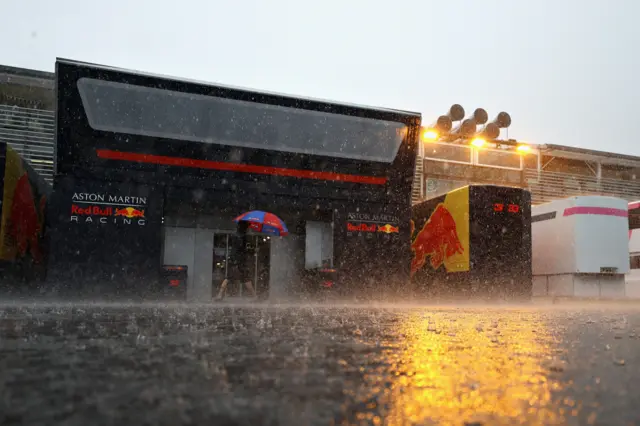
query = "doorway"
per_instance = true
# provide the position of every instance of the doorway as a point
(205, 253)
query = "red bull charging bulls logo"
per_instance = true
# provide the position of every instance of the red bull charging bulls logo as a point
(438, 240)
(388, 229)
(129, 212)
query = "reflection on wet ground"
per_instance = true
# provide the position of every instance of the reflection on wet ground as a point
(314, 365)
(455, 365)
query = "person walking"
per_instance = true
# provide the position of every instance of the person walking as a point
(240, 263)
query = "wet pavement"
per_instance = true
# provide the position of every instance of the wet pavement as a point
(319, 365)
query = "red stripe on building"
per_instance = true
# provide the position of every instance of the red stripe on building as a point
(162, 160)
(634, 205)
(600, 211)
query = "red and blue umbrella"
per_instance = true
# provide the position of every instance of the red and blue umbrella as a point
(265, 222)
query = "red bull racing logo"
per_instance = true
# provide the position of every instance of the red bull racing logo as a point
(389, 229)
(438, 240)
(95, 209)
(372, 228)
(129, 212)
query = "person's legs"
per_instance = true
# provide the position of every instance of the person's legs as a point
(247, 279)
(250, 288)
(223, 289)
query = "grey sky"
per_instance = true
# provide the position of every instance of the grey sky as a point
(565, 70)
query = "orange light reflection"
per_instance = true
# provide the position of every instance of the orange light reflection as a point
(456, 367)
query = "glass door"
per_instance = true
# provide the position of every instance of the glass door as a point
(258, 263)
(259, 256)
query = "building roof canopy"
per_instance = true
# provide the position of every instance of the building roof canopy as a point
(582, 154)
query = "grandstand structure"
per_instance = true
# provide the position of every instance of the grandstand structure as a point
(27, 110)
(550, 172)
(27, 102)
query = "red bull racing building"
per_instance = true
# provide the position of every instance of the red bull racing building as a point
(151, 172)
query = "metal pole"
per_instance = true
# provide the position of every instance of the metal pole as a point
(255, 269)
(226, 257)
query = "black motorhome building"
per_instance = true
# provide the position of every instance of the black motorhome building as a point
(151, 171)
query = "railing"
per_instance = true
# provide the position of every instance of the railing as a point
(466, 154)
(499, 158)
(544, 186)
(549, 186)
(417, 190)
(447, 152)
(457, 155)
(31, 132)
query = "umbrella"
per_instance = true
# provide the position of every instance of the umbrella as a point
(265, 222)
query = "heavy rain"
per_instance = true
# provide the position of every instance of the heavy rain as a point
(204, 219)
(167, 364)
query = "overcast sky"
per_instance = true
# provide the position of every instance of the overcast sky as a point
(566, 70)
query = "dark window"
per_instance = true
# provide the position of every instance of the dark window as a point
(634, 219)
(635, 262)
(543, 217)
(139, 110)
